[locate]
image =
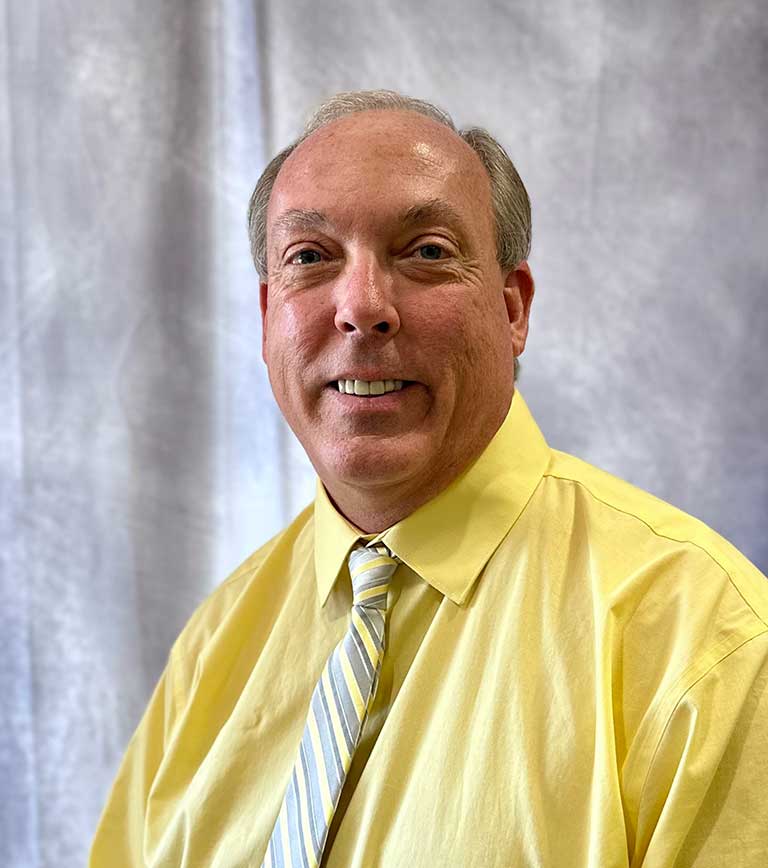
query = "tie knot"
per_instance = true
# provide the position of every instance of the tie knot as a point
(371, 569)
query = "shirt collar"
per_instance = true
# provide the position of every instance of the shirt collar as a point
(449, 539)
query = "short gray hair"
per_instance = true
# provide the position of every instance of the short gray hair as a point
(511, 205)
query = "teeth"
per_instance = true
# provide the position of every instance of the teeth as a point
(369, 387)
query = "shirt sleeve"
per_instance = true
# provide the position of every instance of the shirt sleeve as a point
(119, 839)
(705, 797)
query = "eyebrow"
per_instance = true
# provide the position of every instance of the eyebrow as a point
(429, 211)
(300, 218)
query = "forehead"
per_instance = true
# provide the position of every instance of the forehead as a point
(371, 165)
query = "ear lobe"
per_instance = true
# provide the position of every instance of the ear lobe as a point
(263, 294)
(518, 290)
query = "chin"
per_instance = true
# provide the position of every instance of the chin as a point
(372, 464)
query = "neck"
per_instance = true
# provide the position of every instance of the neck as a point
(373, 514)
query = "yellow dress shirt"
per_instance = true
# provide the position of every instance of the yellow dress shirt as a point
(576, 674)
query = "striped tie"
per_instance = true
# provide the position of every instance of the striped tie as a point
(335, 719)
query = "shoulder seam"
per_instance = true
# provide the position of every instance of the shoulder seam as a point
(657, 533)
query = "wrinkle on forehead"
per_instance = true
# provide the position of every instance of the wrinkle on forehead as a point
(438, 211)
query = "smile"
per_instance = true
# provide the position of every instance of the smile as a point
(369, 388)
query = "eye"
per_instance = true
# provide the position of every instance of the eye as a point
(305, 257)
(430, 251)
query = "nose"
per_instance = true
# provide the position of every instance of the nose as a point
(365, 304)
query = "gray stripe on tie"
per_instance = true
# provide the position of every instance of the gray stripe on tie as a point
(361, 665)
(362, 651)
(327, 740)
(295, 834)
(311, 772)
(372, 578)
(348, 724)
(374, 623)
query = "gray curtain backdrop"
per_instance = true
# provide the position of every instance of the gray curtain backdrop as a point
(141, 454)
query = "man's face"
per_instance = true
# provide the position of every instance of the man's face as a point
(382, 267)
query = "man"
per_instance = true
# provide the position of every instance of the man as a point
(471, 650)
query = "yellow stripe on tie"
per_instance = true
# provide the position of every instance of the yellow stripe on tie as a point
(369, 593)
(268, 863)
(325, 792)
(369, 565)
(363, 631)
(354, 690)
(338, 732)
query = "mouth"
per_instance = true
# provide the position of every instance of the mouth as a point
(369, 388)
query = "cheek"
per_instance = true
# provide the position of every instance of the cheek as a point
(455, 332)
(296, 331)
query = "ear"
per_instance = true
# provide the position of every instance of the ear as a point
(263, 292)
(518, 295)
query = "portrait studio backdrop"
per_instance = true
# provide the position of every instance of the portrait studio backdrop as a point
(142, 455)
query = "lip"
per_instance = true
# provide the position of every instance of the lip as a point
(370, 377)
(334, 384)
(371, 403)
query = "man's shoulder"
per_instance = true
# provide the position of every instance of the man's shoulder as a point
(213, 611)
(653, 526)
